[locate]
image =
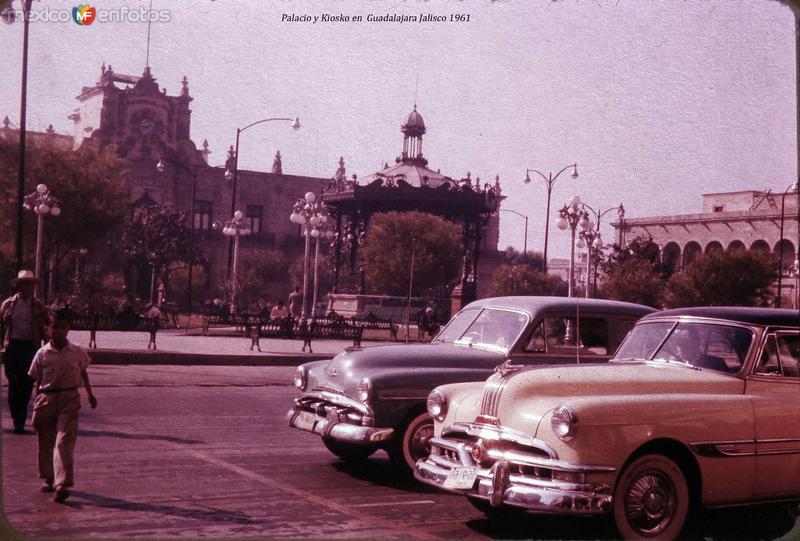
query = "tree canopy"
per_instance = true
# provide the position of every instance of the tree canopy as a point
(386, 254)
(526, 280)
(733, 278)
(88, 182)
(633, 273)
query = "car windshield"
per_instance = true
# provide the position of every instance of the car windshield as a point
(490, 328)
(718, 347)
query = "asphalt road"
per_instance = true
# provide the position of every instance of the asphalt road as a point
(206, 452)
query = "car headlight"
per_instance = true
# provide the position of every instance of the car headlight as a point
(364, 390)
(300, 378)
(564, 422)
(437, 405)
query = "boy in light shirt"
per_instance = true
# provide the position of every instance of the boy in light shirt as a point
(59, 370)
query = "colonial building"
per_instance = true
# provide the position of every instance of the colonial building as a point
(146, 125)
(747, 220)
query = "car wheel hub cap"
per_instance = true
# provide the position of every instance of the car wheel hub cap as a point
(650, 502)
(421, 442)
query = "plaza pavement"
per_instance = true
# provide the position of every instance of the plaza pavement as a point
(222, 347)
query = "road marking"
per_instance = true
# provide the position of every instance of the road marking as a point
(313, 498)
(386, 504)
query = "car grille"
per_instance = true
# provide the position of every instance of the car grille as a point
(330, 410)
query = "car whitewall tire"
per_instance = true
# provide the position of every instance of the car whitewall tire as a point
(413, 443)
(651, 499)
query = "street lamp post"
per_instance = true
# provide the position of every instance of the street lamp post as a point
(591, 238)
(42, 202)
(235, 174)
(410, 286)
(525, 243)
(235, 228)
(318, 232)
(309, 213)
(572, 215)
(792, 186)
(23, 108)
(549, 180)
(194, 173)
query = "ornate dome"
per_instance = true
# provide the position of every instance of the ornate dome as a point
(414, 126)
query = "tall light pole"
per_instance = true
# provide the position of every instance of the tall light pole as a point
(793, 186)
(42, 202)
(410, 285)
(320, 231)
(571, 216)
(235, 228)
(592, 239)
(8, 16)
(549, 180)
(235, 174)
(194, 173)
(308, 213)
(525, 243)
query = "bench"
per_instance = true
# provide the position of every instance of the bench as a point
(332, 328)
(371, 321)
(127, 323)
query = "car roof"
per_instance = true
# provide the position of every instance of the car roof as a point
(534, 304)
(756, 316)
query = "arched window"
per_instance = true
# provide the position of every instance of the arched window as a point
(690, 252)
(714, 247)
(736, 246)
(789, 254)
(671, 255)
(760, 246)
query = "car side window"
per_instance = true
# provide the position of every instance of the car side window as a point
(786, 349)
(780, 356)
(535, 343)
(768, 364)
(565, 335)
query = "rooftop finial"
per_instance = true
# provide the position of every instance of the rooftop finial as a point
(6, 122)
(185, 86)
(149, 22)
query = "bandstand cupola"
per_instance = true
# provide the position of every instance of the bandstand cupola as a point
(413, 129)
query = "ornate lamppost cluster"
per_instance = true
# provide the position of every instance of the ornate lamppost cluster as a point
(235, 228)
(592, 239)
(41, 202)
(572, 215)
(312, 215)
(549, 180)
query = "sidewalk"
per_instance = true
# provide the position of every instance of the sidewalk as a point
(176, 347)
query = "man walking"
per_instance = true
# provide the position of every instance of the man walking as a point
(22, 319)
(295, 303)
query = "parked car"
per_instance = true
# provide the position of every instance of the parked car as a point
(698, 406)
(373, 398)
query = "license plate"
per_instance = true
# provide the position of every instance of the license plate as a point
(461, 478)
(305, 421)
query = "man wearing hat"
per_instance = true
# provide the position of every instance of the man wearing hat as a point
(22, 320)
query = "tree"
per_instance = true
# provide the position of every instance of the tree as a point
(633, 273)
(88, 182)
(387, 250)
(532, 259)
(155, 239)
(262, 278)
(526, 280)
(734, 278)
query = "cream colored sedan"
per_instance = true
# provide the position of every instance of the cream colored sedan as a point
(700, 406)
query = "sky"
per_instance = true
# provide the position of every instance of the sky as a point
(657, 101)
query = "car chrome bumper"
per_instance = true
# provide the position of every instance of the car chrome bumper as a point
(332, 427)
(503, 484)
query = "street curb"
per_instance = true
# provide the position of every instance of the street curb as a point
(153, 357)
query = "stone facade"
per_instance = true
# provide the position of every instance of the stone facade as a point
(748, 219)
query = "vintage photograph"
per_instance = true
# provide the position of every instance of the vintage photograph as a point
(400, 269)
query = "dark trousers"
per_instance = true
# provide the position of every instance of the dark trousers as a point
(17, 361)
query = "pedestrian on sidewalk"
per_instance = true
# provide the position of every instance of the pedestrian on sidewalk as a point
(22, 319)
(59, 370)
(295, 303)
